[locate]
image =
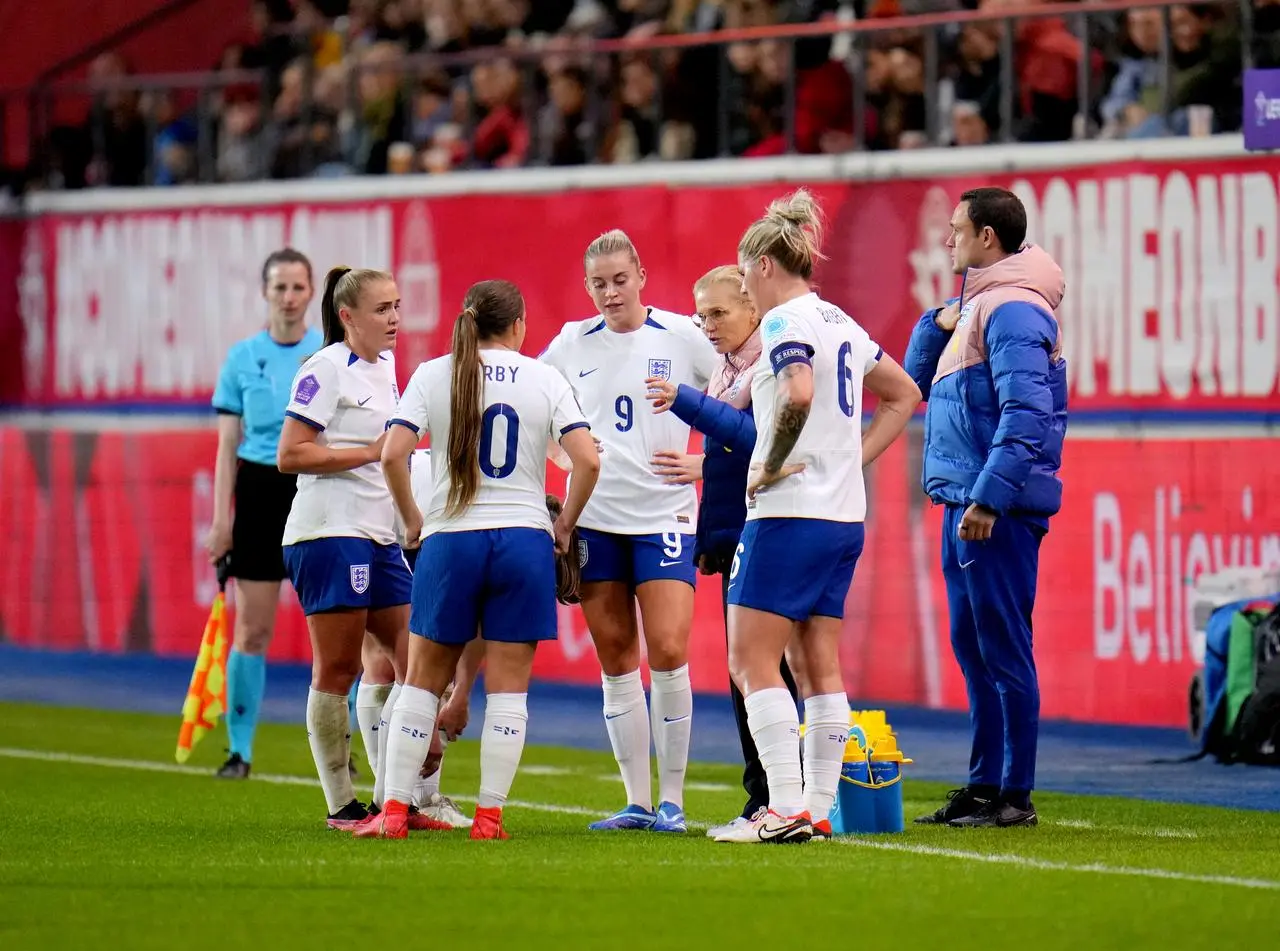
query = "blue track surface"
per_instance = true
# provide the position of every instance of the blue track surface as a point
(1079, 758)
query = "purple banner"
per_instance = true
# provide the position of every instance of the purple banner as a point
(1262, 109)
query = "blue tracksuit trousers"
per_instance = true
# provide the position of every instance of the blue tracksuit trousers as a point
(991, 589)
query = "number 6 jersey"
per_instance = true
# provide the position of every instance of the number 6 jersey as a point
(607, 371)
(523, 404)
(810, 330)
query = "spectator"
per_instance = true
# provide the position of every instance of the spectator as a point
(977, 78)
(432, 109)
(643, 131)
(968, 125)
(1134, 92)
(269, 44)
(1046, 62)
(241, 140)
(895, 88)
(316, 32)
(173, 150)
(298, 142)
(382, 109)
(502, 136)
(116, 129)
(565, 134)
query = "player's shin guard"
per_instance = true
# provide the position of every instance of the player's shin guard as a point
(501, 744)
(370, 699)
(627, 720)
(826, 733)
(384, 724)
(329, 733)
(775, 727)
(408, 739)
(671, 698)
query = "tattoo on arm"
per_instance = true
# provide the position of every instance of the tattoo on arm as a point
(788, 423)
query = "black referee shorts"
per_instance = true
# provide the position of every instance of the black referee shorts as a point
(263, 497)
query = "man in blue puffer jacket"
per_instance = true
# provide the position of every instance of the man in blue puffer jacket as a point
(990, 365)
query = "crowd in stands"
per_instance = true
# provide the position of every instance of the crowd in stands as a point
(375, 86)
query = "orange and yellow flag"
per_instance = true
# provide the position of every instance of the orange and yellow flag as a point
(207, 693)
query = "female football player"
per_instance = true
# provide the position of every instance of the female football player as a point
(638, 529)
(488, 558)
(339, 542)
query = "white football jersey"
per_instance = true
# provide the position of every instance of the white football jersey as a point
(830, 445)
(607, 371)
(348, 402)
(524, 403)
(420, 477)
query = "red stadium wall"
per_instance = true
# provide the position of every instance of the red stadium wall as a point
(1171, 326)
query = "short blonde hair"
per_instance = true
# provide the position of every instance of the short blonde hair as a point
(724, 274)
(611, 242)
(790, 232)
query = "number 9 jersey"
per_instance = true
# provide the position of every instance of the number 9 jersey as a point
(608, 371)
(523, 404)
(813, 331)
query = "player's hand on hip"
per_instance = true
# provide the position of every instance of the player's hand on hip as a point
(976, 524)
(218, 541)
(677, 468)
(761, 480)
(661, 393)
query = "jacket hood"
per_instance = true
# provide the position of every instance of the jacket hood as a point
(1030, 268)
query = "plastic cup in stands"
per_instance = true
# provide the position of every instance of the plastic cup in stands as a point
(400, 158)
(1200, 121)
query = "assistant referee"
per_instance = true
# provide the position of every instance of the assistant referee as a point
(252, 392)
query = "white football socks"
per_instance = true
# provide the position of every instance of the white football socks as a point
(384, 726)
(329, 734)
(775, 726)
(408, 739)
(671, 699)
(501, 744)
(370, 699)
(826, 732)
(626, 717)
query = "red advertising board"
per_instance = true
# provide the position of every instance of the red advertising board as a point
(1171, 271)
(102, 549)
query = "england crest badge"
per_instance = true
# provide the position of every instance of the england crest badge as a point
(359, 578)
(660, 369)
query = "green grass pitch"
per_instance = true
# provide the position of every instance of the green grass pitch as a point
(105, 843)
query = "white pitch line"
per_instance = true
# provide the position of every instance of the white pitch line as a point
(1022, 861)
(152, 766)
(1154, 832)
(988, 858)
(536, 769)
